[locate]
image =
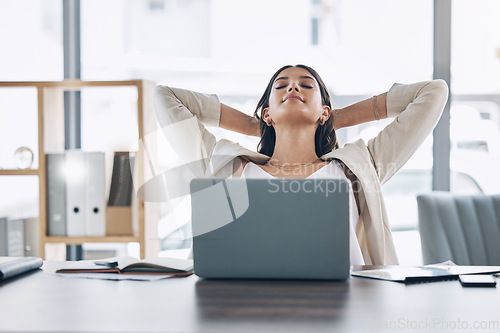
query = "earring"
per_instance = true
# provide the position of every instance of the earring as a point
(322, 121)
(269, 122)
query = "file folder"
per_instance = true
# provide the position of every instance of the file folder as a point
(95, 208)
(15, 238)
(56, 195)
(76, 193)
(11, 237)
(3, 236)
(31, 237)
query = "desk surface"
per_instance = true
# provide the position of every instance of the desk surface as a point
(44, 302)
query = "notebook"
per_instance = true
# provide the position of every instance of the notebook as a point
(270, 228)
(429, 273)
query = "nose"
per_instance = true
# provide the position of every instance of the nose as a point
(293, 86)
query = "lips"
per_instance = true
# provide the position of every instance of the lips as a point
(293, 97)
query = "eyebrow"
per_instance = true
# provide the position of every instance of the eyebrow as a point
(300, 77)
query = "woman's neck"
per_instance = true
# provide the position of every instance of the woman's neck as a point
(294, 145)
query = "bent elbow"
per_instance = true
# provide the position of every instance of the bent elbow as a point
(164, 102)
(440, 89)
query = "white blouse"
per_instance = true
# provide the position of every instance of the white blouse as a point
(331, 171)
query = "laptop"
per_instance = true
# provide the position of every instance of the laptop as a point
(270, 228)
(14, 266)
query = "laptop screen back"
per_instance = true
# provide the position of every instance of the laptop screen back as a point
(271, 228)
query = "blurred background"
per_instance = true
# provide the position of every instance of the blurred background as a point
(231, 48)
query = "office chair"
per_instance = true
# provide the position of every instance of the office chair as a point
(461, 228)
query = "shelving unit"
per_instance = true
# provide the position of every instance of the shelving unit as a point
(49, 100)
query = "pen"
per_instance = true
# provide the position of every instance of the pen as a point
(106, 263)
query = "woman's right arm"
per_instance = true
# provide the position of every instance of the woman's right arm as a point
(237, 121)
(182, 115)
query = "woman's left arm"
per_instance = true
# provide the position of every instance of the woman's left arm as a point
(238, 121)
(416, 108)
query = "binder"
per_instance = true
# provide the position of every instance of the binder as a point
(76, 193)
(3, 236)
(56, 195)
(120, 193)
(119, 210)
(15, 247)
(95, 209)
(11, 237)
(85, 193)
(31, 237)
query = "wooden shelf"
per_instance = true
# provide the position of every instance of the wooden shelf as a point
(86, 239)
(70, 83)
(10, 172)
(50, 105)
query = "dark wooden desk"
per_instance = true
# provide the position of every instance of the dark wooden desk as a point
(43, 302)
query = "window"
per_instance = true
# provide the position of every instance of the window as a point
(475, 108)
(232, 49)
(31, 39)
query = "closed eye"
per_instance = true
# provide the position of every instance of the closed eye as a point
(303, 86)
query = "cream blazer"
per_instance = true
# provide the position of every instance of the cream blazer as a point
(416, 109)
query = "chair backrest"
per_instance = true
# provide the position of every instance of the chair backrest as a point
(461, 228)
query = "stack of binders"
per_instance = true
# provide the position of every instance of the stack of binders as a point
(76, 194)
(18, 237)
(11, 237)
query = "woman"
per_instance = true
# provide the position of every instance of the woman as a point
(297, 128)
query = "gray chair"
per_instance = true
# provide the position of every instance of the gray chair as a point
(461, 228)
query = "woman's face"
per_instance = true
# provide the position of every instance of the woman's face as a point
(295, 100)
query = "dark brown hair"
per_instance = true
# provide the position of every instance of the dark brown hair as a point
(325, 137)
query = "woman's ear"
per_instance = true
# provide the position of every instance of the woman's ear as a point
(327, 112)
(265, 116)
